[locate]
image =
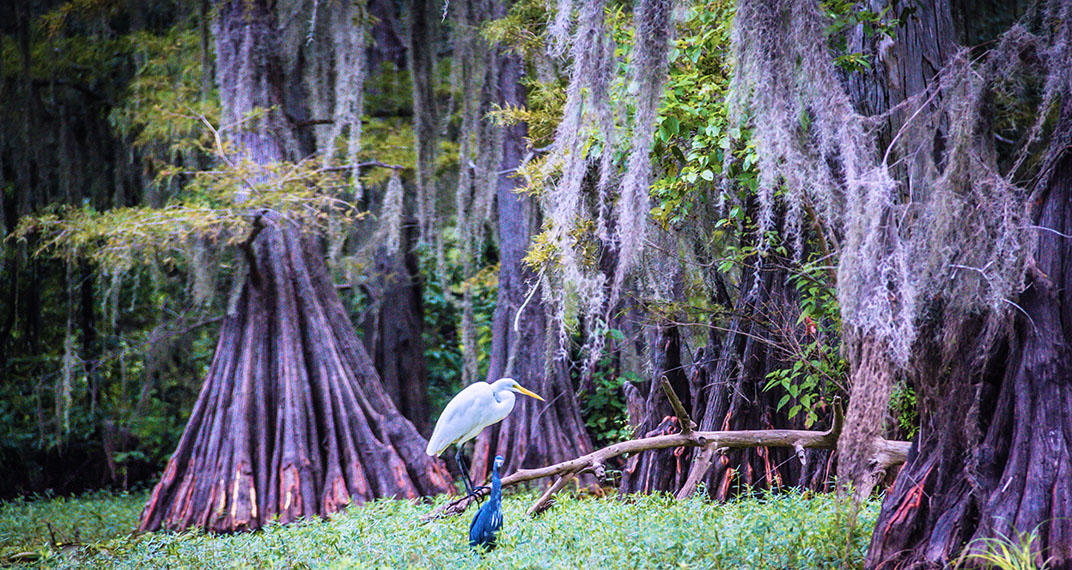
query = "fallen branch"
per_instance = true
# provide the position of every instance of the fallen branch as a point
(687, 425)
(888, 453)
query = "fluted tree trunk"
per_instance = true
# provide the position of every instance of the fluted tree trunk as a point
(724, 389)
(535, 433)
(994, 456)
(994, 393)
(292, 420)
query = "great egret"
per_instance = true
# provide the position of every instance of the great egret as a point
(484, 530)
(476, 407)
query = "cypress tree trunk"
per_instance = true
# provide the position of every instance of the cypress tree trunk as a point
(393, 329)
(993, 457)
(908, 67)
(725, 387)
(664, 469)
(535, 433)
(292, 420)
(1005, 471)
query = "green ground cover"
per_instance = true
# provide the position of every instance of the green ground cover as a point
(790, 530)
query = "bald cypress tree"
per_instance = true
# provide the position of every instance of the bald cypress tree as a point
(292, 420)
(953, 219)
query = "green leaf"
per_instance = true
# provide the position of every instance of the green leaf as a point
(672, 125)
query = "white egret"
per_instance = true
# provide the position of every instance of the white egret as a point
(476, 407)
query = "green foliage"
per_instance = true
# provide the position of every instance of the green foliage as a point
(91, 519)
(604, 409)
(692, 135)
(523, 31)
(903, 408)
(790, 530)
(442, 351)
(817, 366)
(442, 334)
(95, 65)
(162, 108)
(219, 205)
(387, 93)
(1018, 552)
(846, 16)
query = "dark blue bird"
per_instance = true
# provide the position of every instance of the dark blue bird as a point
(488, 520)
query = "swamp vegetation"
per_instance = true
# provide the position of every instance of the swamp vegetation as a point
(251, 248)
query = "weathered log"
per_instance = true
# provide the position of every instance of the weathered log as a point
(890, 453)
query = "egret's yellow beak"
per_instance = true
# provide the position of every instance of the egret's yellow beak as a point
(527, 393)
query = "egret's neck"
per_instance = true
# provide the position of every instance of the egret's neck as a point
(505, 399)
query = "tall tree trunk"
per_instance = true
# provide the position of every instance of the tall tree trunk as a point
(664, 469)
(421, 59)
(1004, 471)
(393, 329)
(728, 390)
(387, 45)
(292, 420)
(906, 68)
(724, 389)
(994, 394)
(535, 433)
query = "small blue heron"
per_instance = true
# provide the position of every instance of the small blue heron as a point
(488, 520)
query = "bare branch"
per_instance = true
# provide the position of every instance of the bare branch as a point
(687, 425)
(545, 500)
(888, 453)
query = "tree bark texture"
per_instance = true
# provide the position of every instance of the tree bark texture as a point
(535, 433)
(995, 453)
(994, 392)
(292, 420)
(724, 389)
(422, 28)
(665, 469)
(393, 330)
(906, 67)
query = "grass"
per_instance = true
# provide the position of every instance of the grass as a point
(790, 530)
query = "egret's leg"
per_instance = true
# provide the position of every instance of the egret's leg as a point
(459, 458)
(470, 489)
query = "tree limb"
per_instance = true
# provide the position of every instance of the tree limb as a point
(687, 425)
(888, 453)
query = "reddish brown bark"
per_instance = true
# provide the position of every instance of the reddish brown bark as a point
(292, 420)
(535, 433)
(994, 457)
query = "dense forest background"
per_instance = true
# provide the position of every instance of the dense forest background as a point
(767, 206)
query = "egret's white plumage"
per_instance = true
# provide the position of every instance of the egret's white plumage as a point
(476, 407)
